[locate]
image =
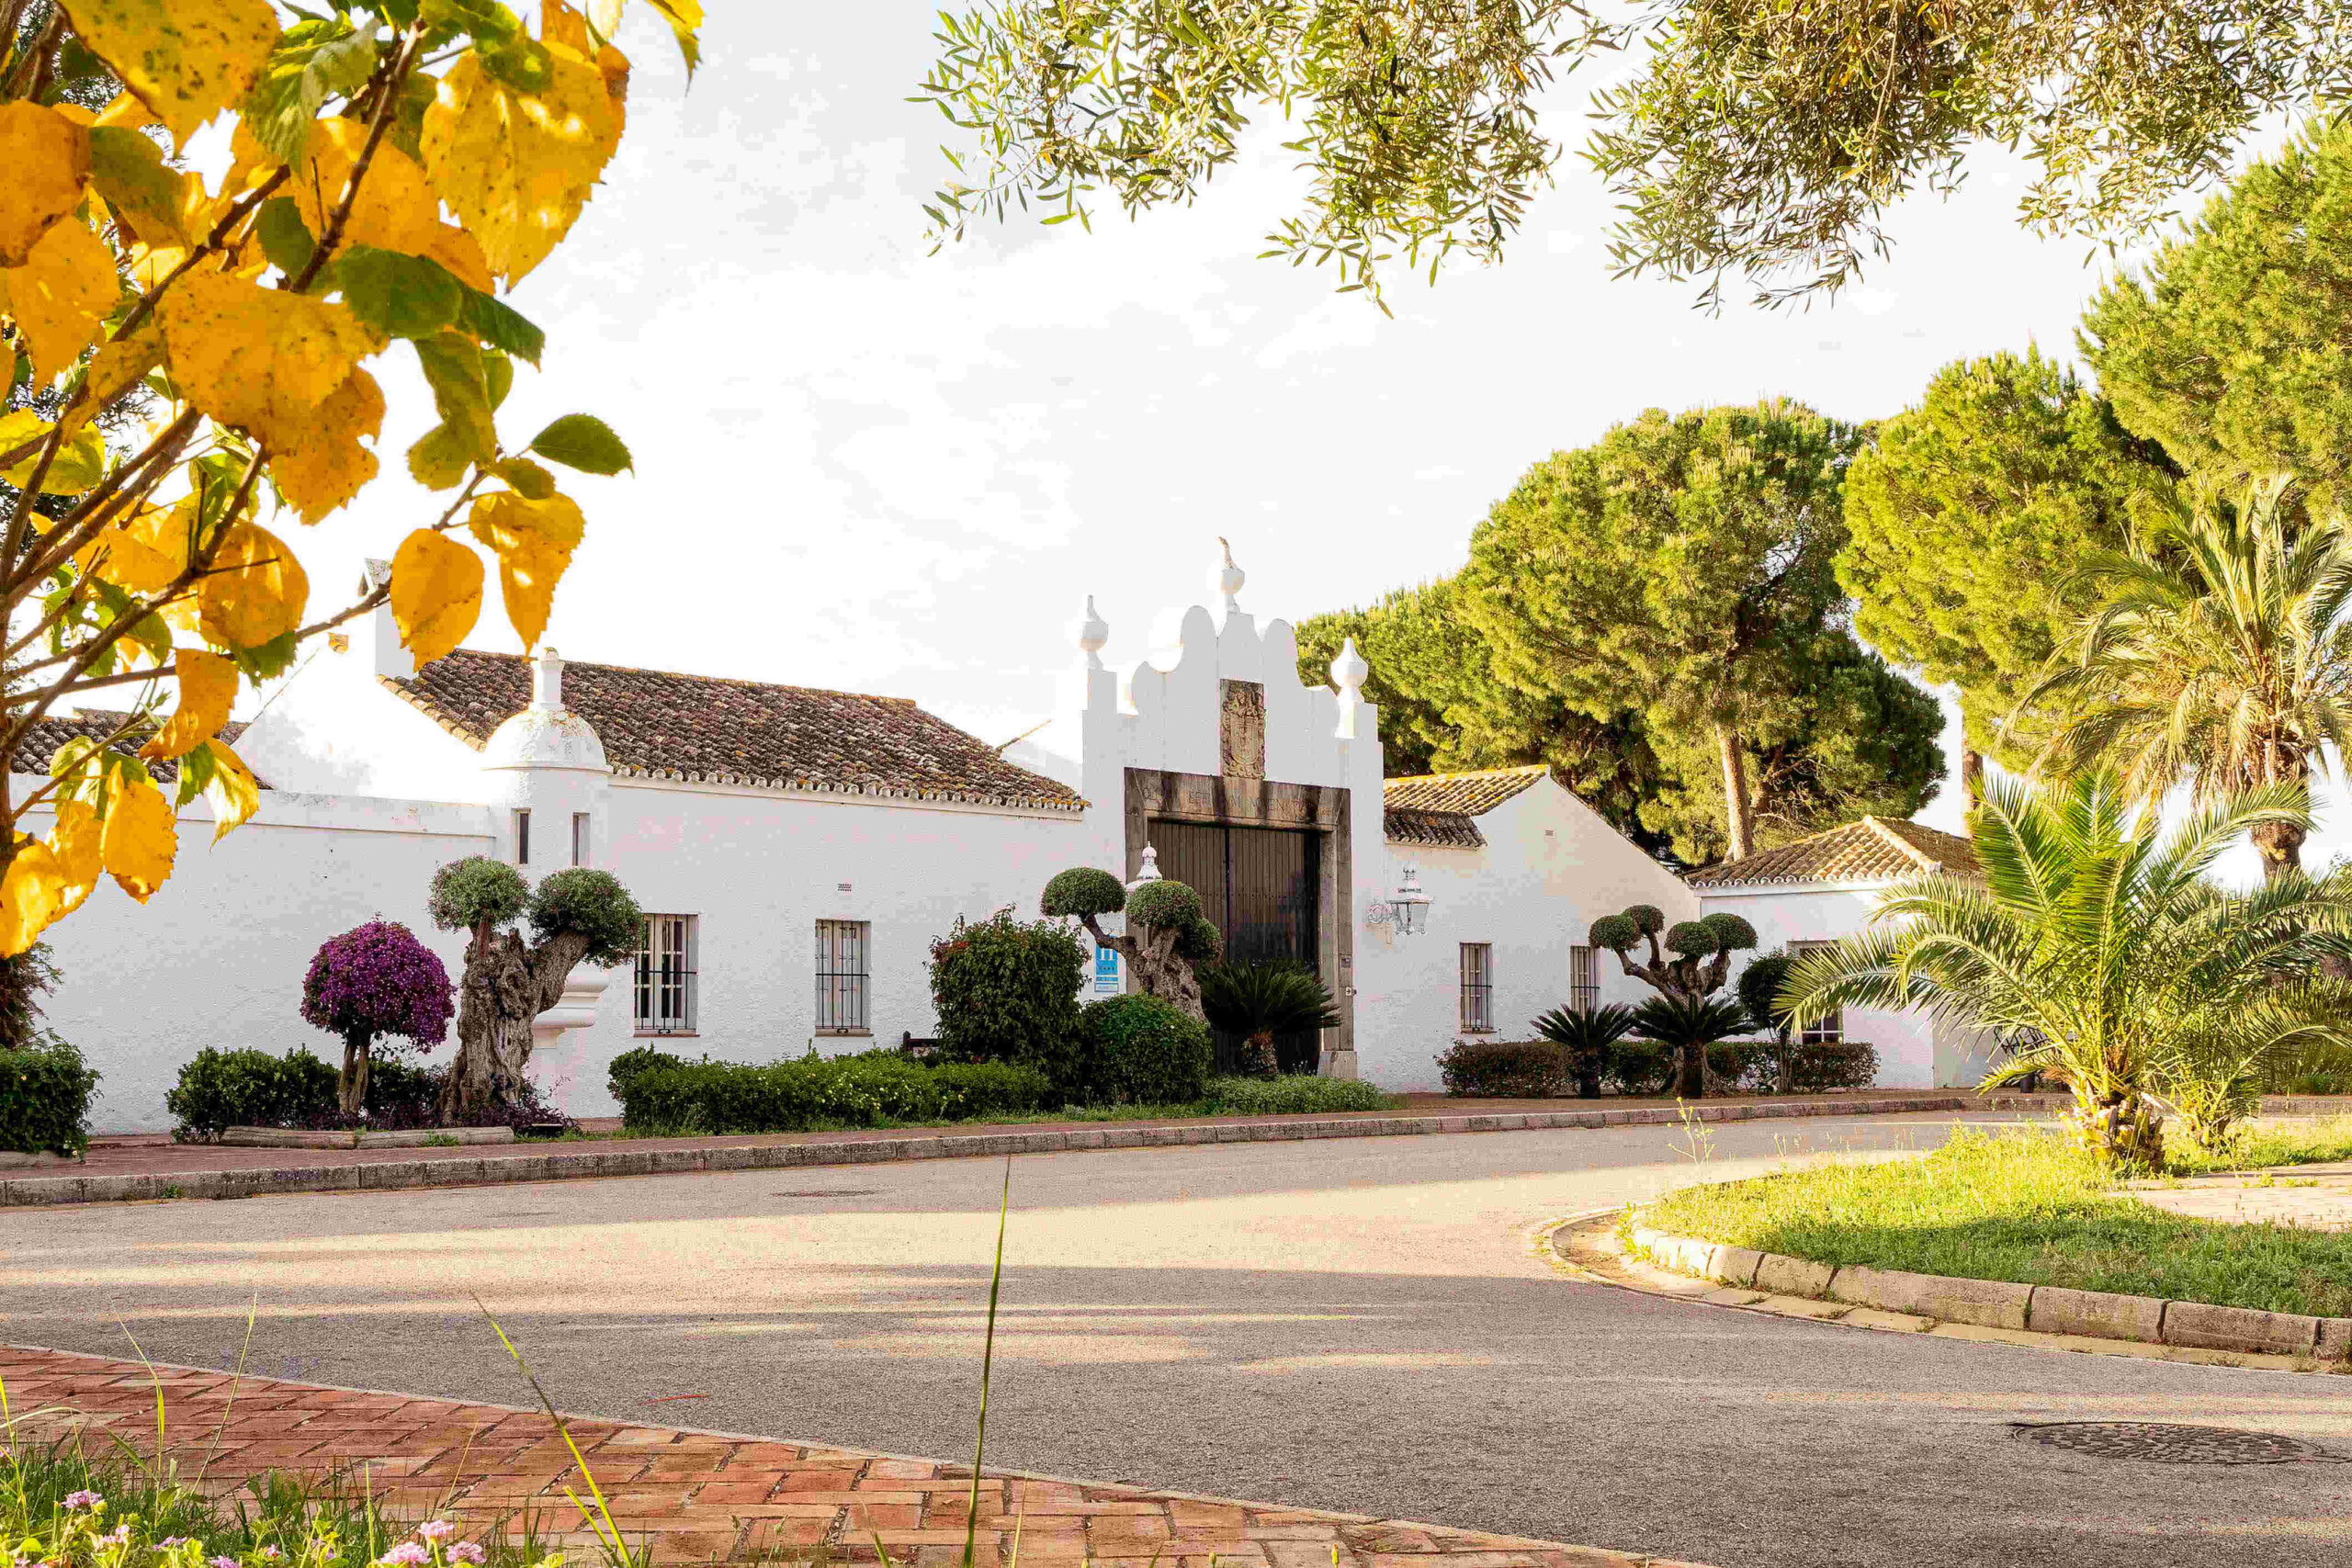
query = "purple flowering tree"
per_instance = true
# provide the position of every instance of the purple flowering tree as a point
(373, 982)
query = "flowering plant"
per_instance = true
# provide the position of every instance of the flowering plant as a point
(373, 982)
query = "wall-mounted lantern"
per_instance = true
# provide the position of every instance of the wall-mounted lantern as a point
(1408, 908)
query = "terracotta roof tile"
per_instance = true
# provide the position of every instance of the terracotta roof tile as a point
(1469, 794)
(41, 741)
(1435, 830)
(1872, 849)
(705, 728)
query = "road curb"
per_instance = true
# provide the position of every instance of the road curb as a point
(1999, 1304)
(390, 1175)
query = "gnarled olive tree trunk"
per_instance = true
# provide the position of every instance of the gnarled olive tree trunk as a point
(506, 985)
(1159, 970)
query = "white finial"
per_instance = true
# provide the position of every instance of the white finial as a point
(1093, 633)
(1149, 871)
(1348, 672)
(547, 680)
(1225, 577)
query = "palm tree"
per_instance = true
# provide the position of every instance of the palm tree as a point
(1261, 1000)
(2096, 942)
(1688, 1025)
(2220, 653)
(1584, 1036)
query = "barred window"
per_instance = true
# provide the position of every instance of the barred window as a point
(1584, 977)
(1477, 987)
(666, 976)
(522, 838)
(579, 838)
(1830, 1028)
(842, 950)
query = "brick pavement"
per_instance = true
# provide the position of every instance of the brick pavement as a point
(707, 1496)
(2314, 1197)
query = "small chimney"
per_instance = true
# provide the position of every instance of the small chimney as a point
(547, 680)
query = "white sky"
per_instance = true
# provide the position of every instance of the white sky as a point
(863, 467)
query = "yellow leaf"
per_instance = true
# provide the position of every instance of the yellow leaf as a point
(460, 253)
(48, 160)
(151, 201)
(395, 210)
(81, 459)
(150, 265)
(31, 896)
(559, 23)
(139, 837)
(126, 111)
(208, 688)
(259, 360)
(233, 792)
(114, 370)
(62, 295)
(516, 166)
(436, 593)
(533, 540)
(440, 457)
(187, 60)
(75, 842)
(330, 466)
(255, 592)
(143, 553)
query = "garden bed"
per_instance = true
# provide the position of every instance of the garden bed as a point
(2027, 1208)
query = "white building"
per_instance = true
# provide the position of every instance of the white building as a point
(798, 850)
(1811, 893)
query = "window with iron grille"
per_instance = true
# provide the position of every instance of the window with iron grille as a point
(842, 955)
(1477, 987)
(522, 838)
(666, 976)
(579, 838)
(1584, 978)
(1830, 1029)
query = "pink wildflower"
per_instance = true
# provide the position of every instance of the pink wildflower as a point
(271, 1553)
(465, 1552)
(226, 1563)
(78, 1500)
(118, 1536)
(406, 1552)
(170, 1542)
(437, 1530)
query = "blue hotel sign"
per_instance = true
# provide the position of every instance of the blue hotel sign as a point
(1106, 971)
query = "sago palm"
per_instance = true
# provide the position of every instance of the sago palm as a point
(2218, 654)
(1259, 1001)
(2096, 937)
(1686, 1025)
(1584, 1036)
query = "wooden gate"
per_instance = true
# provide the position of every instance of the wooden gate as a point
(1262, 889)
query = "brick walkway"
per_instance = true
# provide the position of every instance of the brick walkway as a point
(2314, 1197)
(707, 1496)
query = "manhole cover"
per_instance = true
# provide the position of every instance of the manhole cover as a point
(2157, 1442)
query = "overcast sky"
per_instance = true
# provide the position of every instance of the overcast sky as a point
(866, 466)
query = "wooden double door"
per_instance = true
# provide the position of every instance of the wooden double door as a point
(1263, 888)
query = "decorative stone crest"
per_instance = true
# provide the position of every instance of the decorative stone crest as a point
(1242, 734)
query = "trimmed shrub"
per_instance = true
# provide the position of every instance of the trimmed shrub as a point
(1638, 1068)
(1503, 1069)
(1007, 992)
(249, 1089)
(1838, 1063)
(1142, 1050)
(864, 1090)
(1748, 1064)
(1296, 1094)
(628, 1064)
(45, 1092)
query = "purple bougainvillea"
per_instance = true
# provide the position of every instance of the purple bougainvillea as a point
(377, 980)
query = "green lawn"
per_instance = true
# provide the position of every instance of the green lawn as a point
(2025, 1206)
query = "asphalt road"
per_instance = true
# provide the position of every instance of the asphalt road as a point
(1359, 1325)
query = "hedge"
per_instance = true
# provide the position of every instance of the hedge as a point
(1534, 1069)
(1141, 1050)
(864, 1090)
(221, 1089)
(45, 1092)
(1294, 1094)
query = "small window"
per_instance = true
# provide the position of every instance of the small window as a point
(1584, 978)
(579, 838)
(1477, 987)
(666, 976)
(841, 947)
(522, 838)
(1830, 1029)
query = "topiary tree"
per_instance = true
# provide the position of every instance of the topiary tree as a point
(1702, 949)
(578, 917)
(1145, 1050)
(1759, 992)
(1166, 938)
(375, 982)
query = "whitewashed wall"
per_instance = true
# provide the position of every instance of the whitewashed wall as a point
(1913, 1049)
(1550, 867)
(217, 956)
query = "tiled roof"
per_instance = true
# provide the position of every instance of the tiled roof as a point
(1468, 795)
(706, 729)
(1435, 830)
(41, 741)
(1872, 849)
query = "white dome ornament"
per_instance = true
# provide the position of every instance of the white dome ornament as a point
(1149, 871)
(1349, 672)
(1093, 632)
(1226, 578)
